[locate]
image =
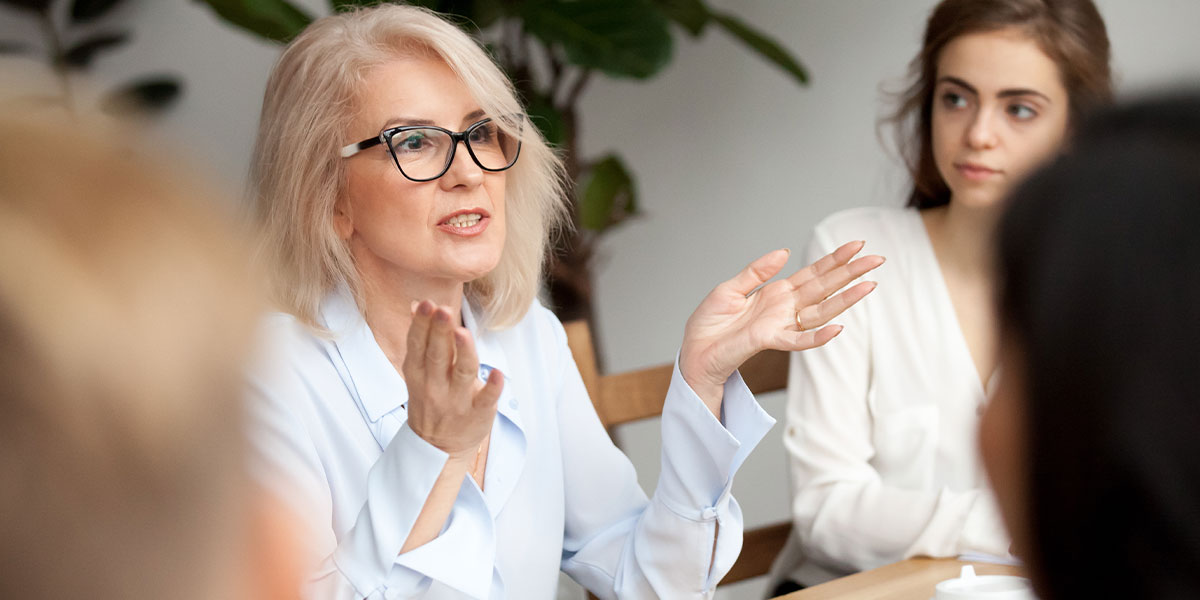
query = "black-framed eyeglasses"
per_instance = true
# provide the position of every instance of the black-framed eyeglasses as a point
(425, 152)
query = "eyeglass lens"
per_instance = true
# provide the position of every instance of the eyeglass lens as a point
(426, 152)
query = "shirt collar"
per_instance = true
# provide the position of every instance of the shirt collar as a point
(379, 386)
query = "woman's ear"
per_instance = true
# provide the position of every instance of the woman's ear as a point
(343, 224)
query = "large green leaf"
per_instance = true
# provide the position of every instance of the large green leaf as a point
(693, 15)
(277, 20)
(477, 13)
(84, 11)
(765, 46)
(622, 38)
(609, 195)
(548, 120)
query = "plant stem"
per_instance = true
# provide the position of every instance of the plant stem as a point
(57, 59)
(577, 89)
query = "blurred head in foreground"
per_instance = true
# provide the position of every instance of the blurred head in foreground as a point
(126, 312)
(1092, 439)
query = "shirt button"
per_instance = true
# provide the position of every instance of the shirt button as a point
(710, 513)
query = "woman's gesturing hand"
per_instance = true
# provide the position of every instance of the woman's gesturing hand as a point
(448, 406)
(739, 318)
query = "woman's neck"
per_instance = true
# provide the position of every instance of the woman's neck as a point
(962, 238)
(387, 308)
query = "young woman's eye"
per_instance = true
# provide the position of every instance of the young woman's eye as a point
(953, 100)
(1021, 112)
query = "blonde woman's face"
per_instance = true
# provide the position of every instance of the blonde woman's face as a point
(448, 230)
(999, 109)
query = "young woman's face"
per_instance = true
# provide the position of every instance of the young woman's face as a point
(448, 230)
(999, 109)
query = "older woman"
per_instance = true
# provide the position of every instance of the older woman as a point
(423, 410)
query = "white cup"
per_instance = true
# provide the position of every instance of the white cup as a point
(969, 586)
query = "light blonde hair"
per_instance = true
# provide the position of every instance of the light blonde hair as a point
(125, 314)
(297, 173)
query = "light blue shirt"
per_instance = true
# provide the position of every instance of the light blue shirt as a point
(330, 436)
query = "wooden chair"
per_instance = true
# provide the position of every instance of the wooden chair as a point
(625, 397)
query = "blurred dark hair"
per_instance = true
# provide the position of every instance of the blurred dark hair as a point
(1070, 32)
(1100, 296)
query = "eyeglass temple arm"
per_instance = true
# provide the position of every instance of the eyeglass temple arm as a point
(352, 149)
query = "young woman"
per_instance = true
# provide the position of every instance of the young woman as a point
(424, 411)
(1091, 440)
(882, 424)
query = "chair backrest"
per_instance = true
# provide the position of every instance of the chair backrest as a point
(625, 397)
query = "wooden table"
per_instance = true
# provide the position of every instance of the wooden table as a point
(911, 579)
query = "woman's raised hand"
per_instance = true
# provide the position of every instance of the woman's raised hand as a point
(742, 316)
(448, 406)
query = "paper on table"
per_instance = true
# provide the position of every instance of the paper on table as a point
(980, 557)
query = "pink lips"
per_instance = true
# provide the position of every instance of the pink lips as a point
(975, 172)
(469, 230)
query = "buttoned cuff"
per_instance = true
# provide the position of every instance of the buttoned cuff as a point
(399, 484)
(700, 454)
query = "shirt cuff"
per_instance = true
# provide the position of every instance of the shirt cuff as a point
(700, 454)
(399, 484)
(463, 555)
(983, 529)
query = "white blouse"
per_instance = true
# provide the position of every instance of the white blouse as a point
(882, 421)
(331, 438)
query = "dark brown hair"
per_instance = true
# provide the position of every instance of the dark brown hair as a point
(1111, 410)
(1070, 32)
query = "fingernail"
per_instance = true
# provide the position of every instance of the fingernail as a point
(874, 284)
(413, 307)
(788, 250)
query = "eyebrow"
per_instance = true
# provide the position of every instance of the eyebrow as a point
(1008, 93)
(471, 117)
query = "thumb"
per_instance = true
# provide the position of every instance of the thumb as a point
(759, 271)
(490, 394)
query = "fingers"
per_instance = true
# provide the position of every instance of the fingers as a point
(466, 363)
(759, 271)
(418, 335)
(816, 290)
(812, 317)
(804, 340)
(827, 263)
(439, 353)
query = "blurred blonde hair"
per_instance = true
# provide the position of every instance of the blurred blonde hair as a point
(125, 314)
(297, 173)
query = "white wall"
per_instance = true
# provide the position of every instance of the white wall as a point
(732, 159)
